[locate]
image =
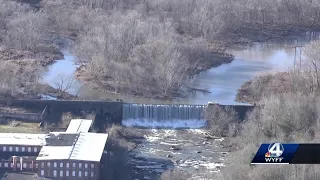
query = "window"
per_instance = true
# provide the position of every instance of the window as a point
(55, 164)
(67, 173)
(29, 149)
(48, 164)
(17, 149)
(23, 149)
(42, 164)
(61, 164)
(4, 148)
(86, 165)
(6, 165)
(25, 165)
(0, 164)
(92, 174)
(67, 165)
(18, 165)
(55, 173)
(10, 148)
(73, 173)
(80, 165)
(80, 173)
(42, 173)
(86, 173)
(74, 165)
(35, 149)
(92, 165)
(61, 173)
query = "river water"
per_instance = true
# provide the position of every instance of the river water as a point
(222, 81)
(188, 149)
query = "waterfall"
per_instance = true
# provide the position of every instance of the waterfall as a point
(164, 116)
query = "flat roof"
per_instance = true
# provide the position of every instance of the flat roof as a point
(88, 147)
(54, 152)
(79, 125)
(61, 139)
(22, 139)
(9, 175)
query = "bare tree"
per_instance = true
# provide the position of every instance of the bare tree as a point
(312, 61)
(63, 83)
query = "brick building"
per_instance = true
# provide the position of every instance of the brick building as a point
(74, 154)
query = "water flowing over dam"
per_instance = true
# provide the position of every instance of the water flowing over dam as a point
(164, 116)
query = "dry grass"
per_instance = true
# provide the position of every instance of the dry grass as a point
(222, 122)
(22, 127)
(8, 109)
(285, 118)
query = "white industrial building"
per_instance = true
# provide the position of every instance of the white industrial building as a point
(74, 154)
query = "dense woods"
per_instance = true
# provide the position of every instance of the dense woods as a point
(153, 47)
(149, 48)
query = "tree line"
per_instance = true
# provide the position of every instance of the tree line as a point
(148, 48)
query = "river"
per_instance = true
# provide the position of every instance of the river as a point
(222, 81)
(188, 149)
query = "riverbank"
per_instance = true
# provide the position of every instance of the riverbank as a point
(22, 70)
(44, 56)
(218, 58)
(253, 91)
(242, 36)
(249, 35)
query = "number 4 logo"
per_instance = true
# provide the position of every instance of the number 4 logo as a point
(276, 149)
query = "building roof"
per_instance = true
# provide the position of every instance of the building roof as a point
(61, 139)
(21, 176)
(79, 125)
(88, 147)
(22, 139)
(55, 152)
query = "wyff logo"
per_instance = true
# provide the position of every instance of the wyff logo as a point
(274, 153)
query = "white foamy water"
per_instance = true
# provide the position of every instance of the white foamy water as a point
(175, 124)
(188, 150)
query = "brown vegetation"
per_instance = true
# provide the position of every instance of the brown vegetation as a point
(222, 122)
(303, 79)
(283, 118)
(148, 48)
(152, 48)
(120, 142)
(290, 113)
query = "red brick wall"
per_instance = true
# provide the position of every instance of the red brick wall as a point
(67, 169)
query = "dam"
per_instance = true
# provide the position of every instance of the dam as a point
(128, 114)
(164, 116)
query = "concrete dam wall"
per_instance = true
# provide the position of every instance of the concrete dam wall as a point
(144, 115)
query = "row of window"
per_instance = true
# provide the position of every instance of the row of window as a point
(67, 173)
(17, 149)
(30, 165)
(61, 165)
